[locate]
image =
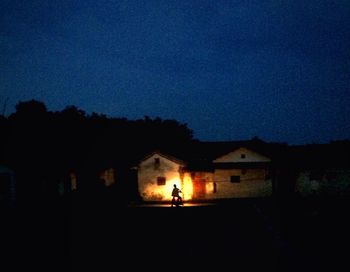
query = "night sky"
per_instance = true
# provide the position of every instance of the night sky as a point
(231, 70)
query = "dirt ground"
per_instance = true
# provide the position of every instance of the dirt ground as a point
(79, 234)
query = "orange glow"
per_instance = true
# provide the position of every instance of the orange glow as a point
(187, 187)
(209, 187)
(163, 192)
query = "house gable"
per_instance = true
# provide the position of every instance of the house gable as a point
(241, 155)
(157, 157)
(157, 174)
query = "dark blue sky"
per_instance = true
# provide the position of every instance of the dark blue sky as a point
(231, 70)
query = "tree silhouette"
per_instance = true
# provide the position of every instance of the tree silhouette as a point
(46, 146)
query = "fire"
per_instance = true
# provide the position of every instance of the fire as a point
(163, 193)
(187, 187)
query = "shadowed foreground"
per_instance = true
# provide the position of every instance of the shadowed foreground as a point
(79, 234)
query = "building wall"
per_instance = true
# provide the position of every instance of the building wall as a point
(149, 171)
(253, 183)
(202, 183)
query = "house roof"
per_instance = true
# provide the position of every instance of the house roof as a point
(199, 156)
(165, 155)
(214, 150)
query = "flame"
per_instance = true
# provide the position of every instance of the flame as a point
(187, 187)
(163, 193)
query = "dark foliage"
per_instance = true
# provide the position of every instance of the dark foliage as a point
(43, 147)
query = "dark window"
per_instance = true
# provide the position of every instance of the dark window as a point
(215, 189)
(235, 179)
(161, 181)
(242, 156)
(244, 171)
(156, 163)
(267, 174)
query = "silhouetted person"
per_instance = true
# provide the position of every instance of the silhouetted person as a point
(177, 200)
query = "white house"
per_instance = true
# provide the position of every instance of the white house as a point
(157, 174)
(242, 173)
(239, 173)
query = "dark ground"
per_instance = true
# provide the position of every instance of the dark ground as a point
(79, 233)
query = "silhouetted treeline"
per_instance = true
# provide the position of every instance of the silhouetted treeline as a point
(43, 147)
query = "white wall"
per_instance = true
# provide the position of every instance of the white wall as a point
(147, 178)
(252, 183)
(235, 156)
